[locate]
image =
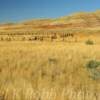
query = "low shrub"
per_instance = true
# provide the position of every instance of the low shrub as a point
(92, 64)
(93, 67)
(89, 42)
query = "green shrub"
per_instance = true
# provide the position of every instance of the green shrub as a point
(92, 64)
(89, 42)
(93, 69)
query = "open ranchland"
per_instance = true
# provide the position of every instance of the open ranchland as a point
(47, 71)
(51, 59)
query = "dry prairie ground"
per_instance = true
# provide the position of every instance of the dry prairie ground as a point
(48, 71)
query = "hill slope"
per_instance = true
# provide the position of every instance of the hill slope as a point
(77, 21)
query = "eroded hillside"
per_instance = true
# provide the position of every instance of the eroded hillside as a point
(77, 20)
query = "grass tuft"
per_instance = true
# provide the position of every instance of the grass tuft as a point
(89, 42)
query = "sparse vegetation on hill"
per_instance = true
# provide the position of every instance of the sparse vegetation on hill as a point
(77, 20)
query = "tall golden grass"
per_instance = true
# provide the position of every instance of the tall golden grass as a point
(47, 71)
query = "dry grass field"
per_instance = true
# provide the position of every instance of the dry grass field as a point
(51, 59)
(49, 71)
